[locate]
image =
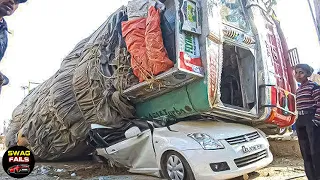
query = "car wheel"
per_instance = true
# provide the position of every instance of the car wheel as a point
(175, 167)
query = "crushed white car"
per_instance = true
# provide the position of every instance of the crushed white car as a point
(184, 150)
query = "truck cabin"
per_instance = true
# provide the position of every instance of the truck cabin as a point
(228, 52)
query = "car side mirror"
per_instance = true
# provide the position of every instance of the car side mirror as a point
(132, 132)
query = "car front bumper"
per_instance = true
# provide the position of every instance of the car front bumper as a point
(200, 161)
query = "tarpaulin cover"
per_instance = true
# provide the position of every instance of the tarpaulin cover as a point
(143, 37)
(56, 116)
(139, 8)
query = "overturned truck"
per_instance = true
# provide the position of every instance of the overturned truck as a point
(163, 59)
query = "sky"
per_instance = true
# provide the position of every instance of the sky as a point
(45, 31)
(298, 26)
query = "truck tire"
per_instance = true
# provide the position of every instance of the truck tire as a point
(275, 131)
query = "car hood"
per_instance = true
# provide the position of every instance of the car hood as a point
(217, 130)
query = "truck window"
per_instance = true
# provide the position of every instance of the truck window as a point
(238, 77)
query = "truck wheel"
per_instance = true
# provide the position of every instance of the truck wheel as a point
(270, 131)
(282, 131)
(275, 131)
(175, 167)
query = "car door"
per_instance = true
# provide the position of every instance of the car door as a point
(135, 152)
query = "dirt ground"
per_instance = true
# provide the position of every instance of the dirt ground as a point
(280, 169)
(89, 170)
(287, 165)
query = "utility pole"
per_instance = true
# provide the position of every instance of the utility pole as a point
(314, 18)
(30, 84)
(4, 127)
(24, 88)
(28, 88)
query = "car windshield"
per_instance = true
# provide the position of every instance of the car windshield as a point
(168, 121)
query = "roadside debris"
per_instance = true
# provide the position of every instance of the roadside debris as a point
(296, 177)
(245, 177)
(43, 170)
(115, 178)
(60, 170)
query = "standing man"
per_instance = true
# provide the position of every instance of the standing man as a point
(3, 81)
(7, 8)
(308, 122)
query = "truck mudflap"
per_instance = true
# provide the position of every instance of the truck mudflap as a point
(282, 104)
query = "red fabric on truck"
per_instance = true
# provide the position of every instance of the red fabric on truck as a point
(134, 34)
(156, 52)
(144, 41)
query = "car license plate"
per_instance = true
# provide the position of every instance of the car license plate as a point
(249, 149)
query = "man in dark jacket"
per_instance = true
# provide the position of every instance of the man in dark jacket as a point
(3, 81)
(308, 122)
(7, 8)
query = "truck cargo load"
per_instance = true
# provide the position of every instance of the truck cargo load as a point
(162, 60)
(56, 116)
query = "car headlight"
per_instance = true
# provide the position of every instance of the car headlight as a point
(206, 142)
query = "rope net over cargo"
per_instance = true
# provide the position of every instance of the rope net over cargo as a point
(54, 119)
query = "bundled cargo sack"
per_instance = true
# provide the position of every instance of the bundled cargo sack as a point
(55, 118)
